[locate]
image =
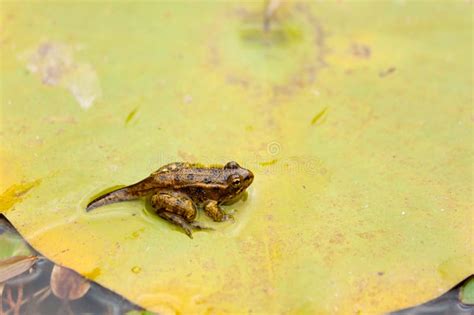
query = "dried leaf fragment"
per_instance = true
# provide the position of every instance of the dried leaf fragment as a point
(66, 284)
(14, 266)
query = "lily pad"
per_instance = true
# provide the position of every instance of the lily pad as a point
(467, 292)
(10, 244)
(355, 118)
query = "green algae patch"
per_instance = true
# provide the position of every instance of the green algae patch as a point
(319, 117)
(268, 163)
(131, 115)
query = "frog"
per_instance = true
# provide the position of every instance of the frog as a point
(177, 190)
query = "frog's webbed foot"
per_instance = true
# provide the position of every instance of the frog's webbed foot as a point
(212, 209)
(178, 209)
(232, 212)
(177, 220)
(228, 217)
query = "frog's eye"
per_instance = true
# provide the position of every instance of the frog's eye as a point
(231, 165)
(235, 180)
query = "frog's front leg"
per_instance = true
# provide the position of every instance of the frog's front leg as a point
(215, 212)
(177, 208)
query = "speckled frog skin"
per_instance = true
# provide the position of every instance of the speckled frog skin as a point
(178, 189)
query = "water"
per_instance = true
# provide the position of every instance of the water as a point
(446, 304)
(31, 293)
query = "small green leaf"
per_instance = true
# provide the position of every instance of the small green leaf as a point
(11, 244)
(466, 294)
(318, 116)
(131, 115)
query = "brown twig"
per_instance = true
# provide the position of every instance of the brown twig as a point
(2, 286)
(19, 299)
(43, 293)
(10, 302)
(15, 305)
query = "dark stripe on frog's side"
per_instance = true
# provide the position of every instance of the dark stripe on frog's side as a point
(201, 177)
(199, 195)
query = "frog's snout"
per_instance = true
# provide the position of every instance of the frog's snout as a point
(248, 178)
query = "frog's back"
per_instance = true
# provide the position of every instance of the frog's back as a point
(173, 167)
(183, 174)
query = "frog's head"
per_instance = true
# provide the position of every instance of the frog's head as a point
(238, 179)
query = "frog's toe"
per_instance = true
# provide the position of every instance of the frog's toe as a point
(199, 226)
(228, 217)
(188, 231)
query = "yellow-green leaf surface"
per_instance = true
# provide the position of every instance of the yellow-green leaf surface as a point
(356, 118)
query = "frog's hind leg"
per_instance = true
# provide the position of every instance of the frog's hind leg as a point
(177, 220)
(178, 209)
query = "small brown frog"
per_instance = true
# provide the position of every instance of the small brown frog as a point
(177, 189)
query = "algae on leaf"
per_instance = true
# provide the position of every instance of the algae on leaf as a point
(367, 210)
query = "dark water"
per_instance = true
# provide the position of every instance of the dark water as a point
(31, 293)
(446, 304)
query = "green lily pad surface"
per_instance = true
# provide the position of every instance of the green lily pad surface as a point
(355, 117)
(467, 292)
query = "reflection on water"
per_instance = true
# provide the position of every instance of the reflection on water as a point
(36, 291)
